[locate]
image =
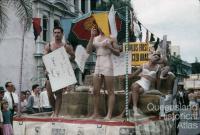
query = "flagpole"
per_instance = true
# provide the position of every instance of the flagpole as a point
(126, 76)
(21, 68)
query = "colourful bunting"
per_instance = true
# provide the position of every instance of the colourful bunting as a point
(36, 27)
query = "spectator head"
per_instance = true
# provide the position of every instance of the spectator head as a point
(196, 91)
(4, 104)
(36, 89)
(43, 89)
(2, 89)
(179, 87)
(23, 96)
(9, 86)
(28, 93)
(191, 90)
(1, 92)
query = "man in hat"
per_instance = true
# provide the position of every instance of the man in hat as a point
(1, 118)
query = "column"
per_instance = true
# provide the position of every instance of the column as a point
(87, 6)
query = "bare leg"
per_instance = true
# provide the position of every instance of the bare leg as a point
(137, 90)
(58, 102)
(97, 82)
(50, 95)
(129, 101)
(111, 96)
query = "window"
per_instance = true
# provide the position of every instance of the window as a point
(93, 5)
(174, 53)
(83, 6)
(45, 27)
(76, 5)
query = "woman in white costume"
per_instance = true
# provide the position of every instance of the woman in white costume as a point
(149, 74)
(104, 47)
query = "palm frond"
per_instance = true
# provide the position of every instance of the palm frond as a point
(24, 12)
(3, 18)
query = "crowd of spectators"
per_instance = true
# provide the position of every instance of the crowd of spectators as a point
(27, 102)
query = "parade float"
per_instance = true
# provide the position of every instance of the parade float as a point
(77, 106)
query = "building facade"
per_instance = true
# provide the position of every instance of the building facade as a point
(50, 13)
(180, 68)
(175, 50)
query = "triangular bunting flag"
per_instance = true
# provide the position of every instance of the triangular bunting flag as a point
(36, 27)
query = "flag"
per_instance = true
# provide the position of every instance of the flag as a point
(140, 36)
(81, 27)
(36, 27)
(102, 22)
(140, 25)
(152, 37)
(66, 25)
(137, 31)
(156, 44)
(112, 22)
(147, 36)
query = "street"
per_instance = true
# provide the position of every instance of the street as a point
(187, 126)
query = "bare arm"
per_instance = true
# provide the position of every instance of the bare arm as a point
(46, 49)
(114, 48)
(139, 70)
(70, 51)
(89, 47)
(158, 79)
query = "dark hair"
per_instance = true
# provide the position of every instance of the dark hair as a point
(23, 92)
(6, 85)
(57, 27)
(3, 102)
(34, 86)
(27, 91)
(156, 54)
(191, 90)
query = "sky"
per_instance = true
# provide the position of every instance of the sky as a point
(178, 19)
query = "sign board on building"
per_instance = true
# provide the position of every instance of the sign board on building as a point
(140, 52)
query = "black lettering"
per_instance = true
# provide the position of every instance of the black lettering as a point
(142, 58)
(130, 47)
(135, 57)
(146, 56)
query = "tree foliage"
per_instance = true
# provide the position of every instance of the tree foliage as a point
(23, 10)
(119, 5)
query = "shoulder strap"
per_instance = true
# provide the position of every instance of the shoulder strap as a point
(158, 66)
(50, 47)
